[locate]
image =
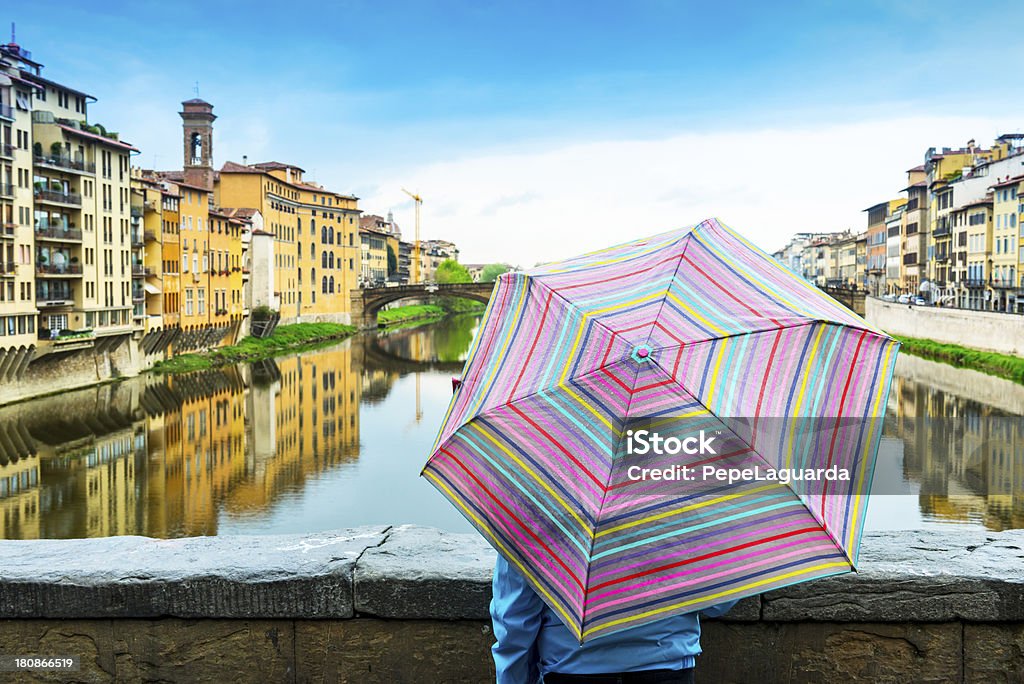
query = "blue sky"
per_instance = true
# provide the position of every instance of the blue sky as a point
(503, 114)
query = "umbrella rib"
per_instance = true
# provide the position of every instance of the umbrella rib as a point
(821, 523)
(604, 497)
(668, 288)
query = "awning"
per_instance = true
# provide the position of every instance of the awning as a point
(151, 289)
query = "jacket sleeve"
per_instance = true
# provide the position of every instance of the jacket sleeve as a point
(516, 614)
(718, 609)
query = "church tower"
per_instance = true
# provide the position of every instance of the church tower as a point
(197, 123)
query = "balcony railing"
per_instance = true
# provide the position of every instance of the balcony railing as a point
(72, 198)
(6, 190)
(136, 238)
(62, 162)
(6, 150)
(136, 211)
(138, 296)
(974, 282)
(6, 112)
(54, 296)
(58, 233)
(138, 270)
(149, 236)
(941, 231)
(59, 269)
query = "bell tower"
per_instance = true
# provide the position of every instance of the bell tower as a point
(197, 124)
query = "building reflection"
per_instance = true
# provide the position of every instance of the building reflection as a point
(168, 456)
(967, 456)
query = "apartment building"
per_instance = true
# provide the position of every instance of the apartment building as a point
(1005, 243)
(65, 200)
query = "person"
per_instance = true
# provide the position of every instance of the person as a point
(532, 645)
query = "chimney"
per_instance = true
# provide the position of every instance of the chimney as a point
(245, 160)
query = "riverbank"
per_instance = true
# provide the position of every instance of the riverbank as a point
(416, 312)
(286, 339)
(990, 363)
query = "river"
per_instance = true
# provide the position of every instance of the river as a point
(335, 437)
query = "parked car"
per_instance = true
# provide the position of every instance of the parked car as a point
(889, 297)
(904, 299)
(920, 301)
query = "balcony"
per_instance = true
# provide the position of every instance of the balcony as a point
(136, 211)
(50, 297)
(6, 151)
(942, 256)
(973, 282)
(1003, 284)
(6, 112)
(7, 230)
(941, 231)
(138, 270)
(68, 199)
(7, 190)
(138, 295)
(65, 163)
(137, 238)
(58, 270)
(58, 233)
(8, 268)
(149, 236)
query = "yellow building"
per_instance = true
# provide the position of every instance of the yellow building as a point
(316, 251)
(1005, 244)
(974, 219)
(374, 238)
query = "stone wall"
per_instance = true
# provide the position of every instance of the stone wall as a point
(998, 332)
(409, 604)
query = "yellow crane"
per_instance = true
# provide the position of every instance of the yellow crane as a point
(414, 277)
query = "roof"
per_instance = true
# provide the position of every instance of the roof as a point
(232, 167)
(196, 100)
(918, 184)
(916, 168)
(240, 212)
(273, 165)
(1009, 181)
(98, 138)
(987, 199)
(39, 79)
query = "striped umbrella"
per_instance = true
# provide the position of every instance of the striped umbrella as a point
(762, 390)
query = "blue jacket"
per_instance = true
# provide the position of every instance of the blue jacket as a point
(532, 641)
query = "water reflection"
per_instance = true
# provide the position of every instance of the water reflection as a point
(336, 437)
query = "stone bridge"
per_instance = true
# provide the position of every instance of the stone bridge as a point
(366, 302)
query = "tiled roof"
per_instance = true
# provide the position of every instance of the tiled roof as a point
(98, 138)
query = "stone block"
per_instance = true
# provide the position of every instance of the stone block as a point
(425, 573)
(372, 651)
(306, 576)
(916, 576)
(993, 654)
(823, 653)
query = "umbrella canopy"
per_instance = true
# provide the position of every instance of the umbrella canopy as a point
(763, 391)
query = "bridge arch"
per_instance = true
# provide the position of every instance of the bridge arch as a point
(366, 302)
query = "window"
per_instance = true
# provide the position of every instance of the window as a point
(332, 284)
(188, 302)
(202, 302)
(324, 285)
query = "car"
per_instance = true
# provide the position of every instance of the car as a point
(903, 299)
(889, 297)
(920, 301)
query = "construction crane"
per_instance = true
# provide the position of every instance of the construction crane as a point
(414, 277)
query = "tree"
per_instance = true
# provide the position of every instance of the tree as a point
(451, 271)
(392, 261)
(491, 272)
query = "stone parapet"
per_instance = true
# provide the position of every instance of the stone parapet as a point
(410, 604)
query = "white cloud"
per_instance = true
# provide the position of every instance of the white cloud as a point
(532, 206)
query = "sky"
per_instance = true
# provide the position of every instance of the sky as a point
(535, 131)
